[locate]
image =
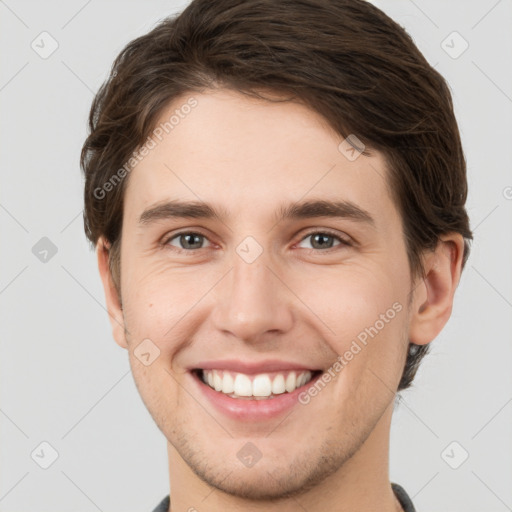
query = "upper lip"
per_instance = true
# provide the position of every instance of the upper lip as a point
(250, 367)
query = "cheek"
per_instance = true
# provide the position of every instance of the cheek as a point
(362, 314)
(167, 305)
(349, 300)
(154, 296)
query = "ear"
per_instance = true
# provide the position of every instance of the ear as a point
(432, 299)
(114, 308)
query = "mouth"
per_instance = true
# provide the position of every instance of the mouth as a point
(260, 386)
(252, 391)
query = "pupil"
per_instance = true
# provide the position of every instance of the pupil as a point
(318, 237)
(186, 238)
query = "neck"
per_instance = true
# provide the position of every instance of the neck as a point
(362, 483)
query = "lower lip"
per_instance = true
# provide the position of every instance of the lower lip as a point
(252, 410)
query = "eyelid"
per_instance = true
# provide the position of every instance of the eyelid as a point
(327, 231)
(194, 231)
(344, 240)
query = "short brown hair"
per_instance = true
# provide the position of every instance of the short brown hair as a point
(345, 59)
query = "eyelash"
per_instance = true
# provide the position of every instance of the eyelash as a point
(342, 241)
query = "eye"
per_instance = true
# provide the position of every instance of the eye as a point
(190, 240)
(323, 240)
(187, 240)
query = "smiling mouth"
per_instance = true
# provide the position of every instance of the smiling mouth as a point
(263, 386)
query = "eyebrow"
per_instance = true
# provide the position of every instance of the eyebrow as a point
(303, 210)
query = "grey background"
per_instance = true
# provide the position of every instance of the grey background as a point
(66, 382)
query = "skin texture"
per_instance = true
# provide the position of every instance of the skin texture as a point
(296, 302)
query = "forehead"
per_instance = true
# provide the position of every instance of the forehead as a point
(249, 155)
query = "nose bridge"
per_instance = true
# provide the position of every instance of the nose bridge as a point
(251, 301)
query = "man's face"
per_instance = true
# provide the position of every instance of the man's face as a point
(252, 294)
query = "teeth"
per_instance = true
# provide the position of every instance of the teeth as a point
(243, 386)
(278, 385)
(261, 386)
(217, 382)
(228, 383)
(291, 382)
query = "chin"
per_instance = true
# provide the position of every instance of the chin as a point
(267, 480)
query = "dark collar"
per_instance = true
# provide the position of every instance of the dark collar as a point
(399, 491)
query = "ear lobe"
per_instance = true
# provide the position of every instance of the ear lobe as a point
(114, 307)
(433, 298)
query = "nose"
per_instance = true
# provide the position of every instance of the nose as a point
(253, 304)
